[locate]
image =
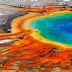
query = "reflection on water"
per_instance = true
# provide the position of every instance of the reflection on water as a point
(21, 51)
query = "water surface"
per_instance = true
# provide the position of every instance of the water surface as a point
(57, 27)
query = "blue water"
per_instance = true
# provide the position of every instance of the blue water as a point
(55, 28)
